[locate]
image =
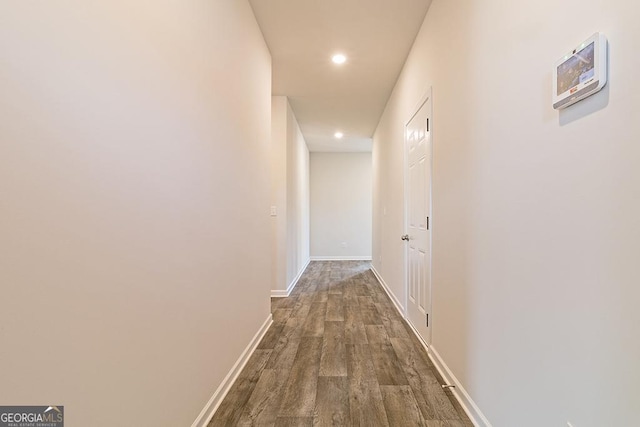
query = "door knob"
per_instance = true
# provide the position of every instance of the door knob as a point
(405, 237)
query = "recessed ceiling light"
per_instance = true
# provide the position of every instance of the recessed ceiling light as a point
(338, 135)
(339, 58)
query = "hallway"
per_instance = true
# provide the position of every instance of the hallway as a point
(338, 353)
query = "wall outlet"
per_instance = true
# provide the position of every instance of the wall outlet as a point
(274, 211)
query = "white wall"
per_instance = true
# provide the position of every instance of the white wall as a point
(297, 199)
(341, 205)
(279, 107)
(290, 196)
(134, 182)
(535, 220)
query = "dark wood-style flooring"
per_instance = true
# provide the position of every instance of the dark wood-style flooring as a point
(338, 354)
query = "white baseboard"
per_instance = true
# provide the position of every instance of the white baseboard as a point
(218, 396)
(470, 408)
(392, 296)
(279, 294)
(340, 258)
(473, 412)
(294, 282)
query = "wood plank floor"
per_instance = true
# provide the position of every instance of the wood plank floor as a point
(338, 354)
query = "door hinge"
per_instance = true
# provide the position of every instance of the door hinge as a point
(427, 223)
(427, 320)
(427, 124)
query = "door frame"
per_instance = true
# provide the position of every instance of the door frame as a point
(427, 97)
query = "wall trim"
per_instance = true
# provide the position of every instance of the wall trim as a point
(218, 396)
(468, 405)
(475, 415)
(341, 258)
(386, 288)
(277, 293)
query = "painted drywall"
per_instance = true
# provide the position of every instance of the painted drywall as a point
(279, 256)
(134, 182)
(289, 197)
(341, 205)
(297, 199)
(535, 234)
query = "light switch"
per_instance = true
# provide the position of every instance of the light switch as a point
(274, 211)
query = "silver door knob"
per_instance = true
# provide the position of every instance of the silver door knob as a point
(405, 237)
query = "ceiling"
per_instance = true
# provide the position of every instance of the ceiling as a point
(303, 35)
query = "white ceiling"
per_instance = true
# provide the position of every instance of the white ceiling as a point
(302, 35)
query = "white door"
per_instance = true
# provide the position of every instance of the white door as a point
(417, 219)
